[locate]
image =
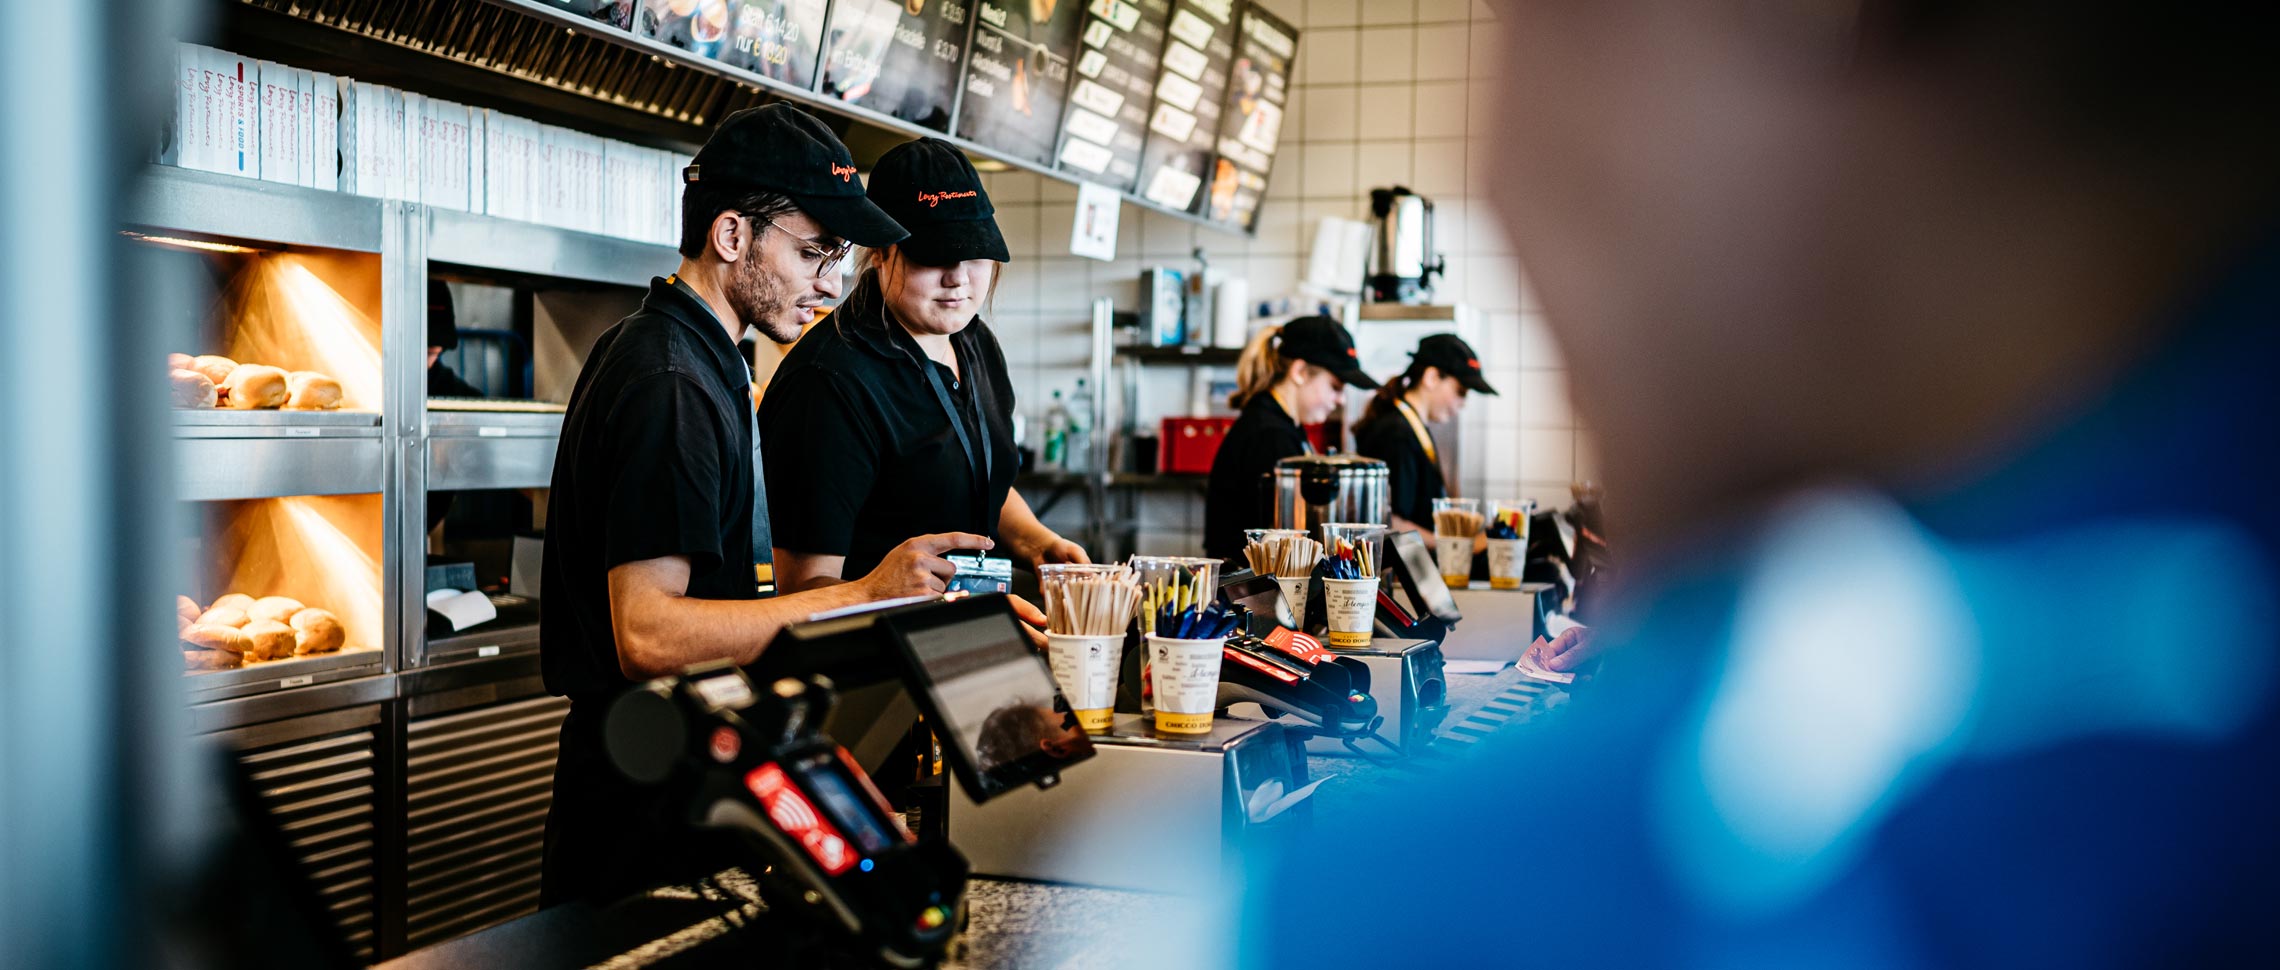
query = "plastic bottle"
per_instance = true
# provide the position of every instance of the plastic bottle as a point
(1056, 433)
(1080, 429)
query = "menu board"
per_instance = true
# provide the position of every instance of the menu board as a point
(1116, 66)
(1191, 87)
(776, 39)
(1258, 87)
(1017, 75)
(896, 57)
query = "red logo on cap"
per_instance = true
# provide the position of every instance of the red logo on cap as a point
(1472, 362)
(844, 172)
(1351, 352)
(933, 199)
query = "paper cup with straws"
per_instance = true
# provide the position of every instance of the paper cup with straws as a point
(1289, 556)
(1178, 584)
(1456, 523)
(1508, 542)
(1088, 608)
(1187, 682)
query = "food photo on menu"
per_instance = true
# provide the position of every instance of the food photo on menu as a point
(1017, 75)
(899, 57)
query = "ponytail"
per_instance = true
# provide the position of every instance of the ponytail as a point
(1260, 366)
(1381, 403)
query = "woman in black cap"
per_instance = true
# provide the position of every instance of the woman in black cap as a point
(893, 416)
(1393, 427)
(1289, 376)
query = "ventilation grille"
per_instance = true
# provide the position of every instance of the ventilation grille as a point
(529, 45)
(477, 784)
(321, 793)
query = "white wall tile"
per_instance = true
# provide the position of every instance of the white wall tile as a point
(1018, 223)
(1437, 11)
(1385, 112)
(1278, 221)
(1380, 165)
(1388, 54)
(1388, 11)
(1442, 51)
(1487, 43)
(1332, 13)
(1547, 455)
(1483, 110)
(1012, 187)
(1437, 168)
(1492, 283)
(1017, 286)
(1538, 349)
(1333, 55)
(1054, 190)
(1482, 11)
(1543, 397)
(1440, 107)
(1294, 115)
(1329, 171)
(1063, 286)
(1163, 236)
(1484, 234)
(1331, 115)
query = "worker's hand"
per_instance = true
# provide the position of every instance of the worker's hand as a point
(916, 568)
(1060, 550)
(1032, 620)
(1567, 652)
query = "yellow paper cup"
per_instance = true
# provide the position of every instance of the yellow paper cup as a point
(1186, 682)
(1351, 607)
(1506, 557)
(1087, 668)
(1290, 610)
(1455, 555)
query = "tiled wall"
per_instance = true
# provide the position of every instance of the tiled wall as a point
(1387, 92)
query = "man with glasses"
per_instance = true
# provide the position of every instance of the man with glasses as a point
(657, 521)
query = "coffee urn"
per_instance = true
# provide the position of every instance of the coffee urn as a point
(1313, 489)
(1403, 263)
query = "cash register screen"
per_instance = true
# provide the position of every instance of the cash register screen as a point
(994, 700)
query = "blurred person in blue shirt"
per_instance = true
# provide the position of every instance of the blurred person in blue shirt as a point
(1933, 350)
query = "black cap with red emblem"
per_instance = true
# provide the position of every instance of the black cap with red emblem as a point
(1322, 342)
(779, 148)
(1449, 354)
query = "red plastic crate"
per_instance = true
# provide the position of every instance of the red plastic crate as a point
(1187, 445)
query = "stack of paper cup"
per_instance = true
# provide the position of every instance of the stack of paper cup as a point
(1186, 682)
(1087, 668)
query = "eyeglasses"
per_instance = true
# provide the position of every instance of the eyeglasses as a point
(826, 258)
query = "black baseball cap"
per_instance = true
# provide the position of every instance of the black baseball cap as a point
(442, 323)
(779, 148)
(1324, 343)
(932, 189)
(1451, 355)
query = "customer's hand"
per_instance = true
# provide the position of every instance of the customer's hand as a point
(1566, 652)
(1032, 620)
(916, 568)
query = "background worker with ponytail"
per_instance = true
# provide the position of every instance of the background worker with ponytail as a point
(1393, 427)
(1289, 376)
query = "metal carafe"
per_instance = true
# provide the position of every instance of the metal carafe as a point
(1313, 489)
(1403, 263)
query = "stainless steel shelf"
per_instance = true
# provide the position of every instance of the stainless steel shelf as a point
(485, 449)
(495, 424)
(181, 200)
(245, 467)
(226, 423)
(282, 674)
(488, 242)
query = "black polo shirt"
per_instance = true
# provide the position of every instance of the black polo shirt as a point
(1241, 492)
(1413, 479)
(862, 454)
(656, 459)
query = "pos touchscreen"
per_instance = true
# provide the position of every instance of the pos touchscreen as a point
(989, 694)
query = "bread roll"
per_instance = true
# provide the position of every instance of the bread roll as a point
(216, 369)
(269, 640)
(317, 631)
(229, 616)
(235, 601)
(181, 362)
(276, 608)
(254, 386)
(307, 390)
(187, 608)
(208, 659)
(208, 636)
(193, 390)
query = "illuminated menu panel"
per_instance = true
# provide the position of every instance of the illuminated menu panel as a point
(1115, 87)
(1017, 76)
(1191, 88)
(897, 57)
(1258, 88)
